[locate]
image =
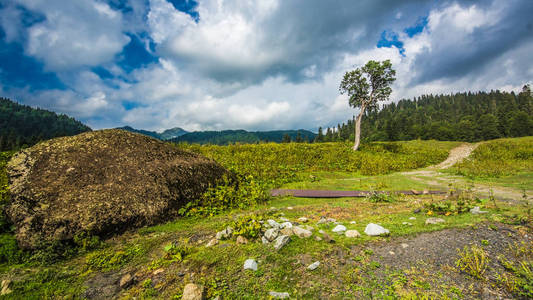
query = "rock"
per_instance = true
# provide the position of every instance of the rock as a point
(328, 238)
(279, 295)
(404, 245)
(274, 224)
(290, 208)
(264, 240)
(271, 234)
(391, 252)
(476, 210)
(407, 223)
(313, 266)
(339, 229)
(241, 240)
(125, 281)
(5, 287)
(224, 234)
(287, 231)
(286, 225)
(434, 221)
(375, 230)
(318, 239)
(352, 233)
(307, 227)
(321, 231)
(331, 220)
(353, 222)
(303, 219)
(322, 221)
(158, 271)
(281, 241)
(117, 181)
(416, 211)
(250, 264)
(283, 219)
(301, 233)
(412, 218)
(212, 242)
(193, 291)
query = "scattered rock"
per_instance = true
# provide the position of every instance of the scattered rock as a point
(434, 221)
(290, 208)
(283, 219)
(322, 220)
(271, 234)
(321, 231)
(416, 211)
(391, 252)
(331, 220)
(339, 229)
(313, 266)
(352, 233)
(241, 240)
(281, 241)
(125, 281)
(212, 242)
(375, 230)
(353, 222)
(193, 291)
(224, 234)
(264, 240)
(5, 287)
(300, 232)
(287, 231)
(328, 238)
(412, 218)
(158, 271)
(274, 224)
(404, 245)
(303, 219)
(407, 223)
(318, 239)
(286, 225)
(250, 264)
(476, 211)
(279, 295)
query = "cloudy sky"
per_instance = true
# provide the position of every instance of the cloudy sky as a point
(244, 64)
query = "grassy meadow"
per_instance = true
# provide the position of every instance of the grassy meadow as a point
(406, 264)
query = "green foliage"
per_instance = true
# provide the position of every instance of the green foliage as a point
(520, 281)
(105, 260)
(455, 203)
(177, 251)
(226, 137)
(48, 283)
(86, 242)
(22, 126)
(498, 158)
(377, 197)
(247, 226)
(10, 253)
(473, 260)
(4, 189)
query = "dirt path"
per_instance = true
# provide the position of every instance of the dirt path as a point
(456, 155)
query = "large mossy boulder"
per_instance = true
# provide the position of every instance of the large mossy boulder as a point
(100, 183)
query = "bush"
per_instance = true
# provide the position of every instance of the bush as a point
(247, 226)
(10, 253)
(473, 260)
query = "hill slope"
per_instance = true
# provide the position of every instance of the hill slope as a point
(165, 135)
(242, 136)
(21, 125)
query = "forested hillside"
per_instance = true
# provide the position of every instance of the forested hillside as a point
(460, 117)
(165, 135)
(21, 125)
(242, 136)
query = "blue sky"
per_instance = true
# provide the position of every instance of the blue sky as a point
(257, 65)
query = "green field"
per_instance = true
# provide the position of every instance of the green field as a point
(165, 257)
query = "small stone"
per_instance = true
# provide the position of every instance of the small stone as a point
(158, 271)
(212, 242)
(322, 221)
(264, 240)
(352, 233)
(281, 241)
(321, 231)
(250, 264)
(391, 253)
(283, 219)
(241, 240)
(224, 234)
(313, 266)
(279, 295)
(193, 291)
(287, 231)
(476, 211)
(339, 229)
(125, 281)
(407, 223)
(303, 219)
(290, 208)
(328, 238)
(274, 224)
(318, 239)
(412, 218)
(375, 230)
(286, 225)
(331, 220)
(434, 221)
(300, 232)
(416, 211)
(272, 208)
(404, 245)
(5, 287)
(353, 222)
(271, 234)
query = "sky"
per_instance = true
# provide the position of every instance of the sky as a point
(244, 64)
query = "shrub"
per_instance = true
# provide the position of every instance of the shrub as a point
(473, 260)
(247, 226)
(10, 253)
(376, 197)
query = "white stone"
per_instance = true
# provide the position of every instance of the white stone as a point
(303, 219)
(353, 222)
(281, 241)
(286, 225)
(250, 264)
(404, 245)
(476, 211)
(224, 234)
(339, 229)
(287, 231)
(271, 234)
(300, 232)
(290, 208)
(193, 291)
(279, 295)
(274, 224)
(407, 223)
(322, 221)
(264, 240)
(212, 242)
(313, 266)
(321, 231)
(375, 230)
(283, 219)
(331, 220)
(434, 221)
(412, 218)
(352, 233)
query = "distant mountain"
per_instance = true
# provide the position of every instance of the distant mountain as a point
(165, 135)
(242, 136)
(22, 125)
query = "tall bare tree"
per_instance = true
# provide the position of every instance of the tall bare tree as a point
(365, 87)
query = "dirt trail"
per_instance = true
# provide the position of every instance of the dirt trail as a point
(456, 155)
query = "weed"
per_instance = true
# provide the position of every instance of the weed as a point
(473, 260)
(247, 226)
(105, 260)
(377, 197)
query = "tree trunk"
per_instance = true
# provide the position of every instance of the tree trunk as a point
(358, 128)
